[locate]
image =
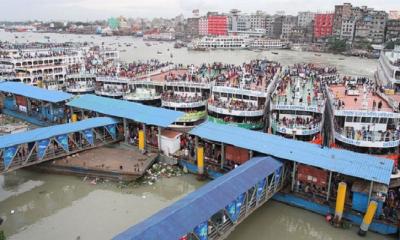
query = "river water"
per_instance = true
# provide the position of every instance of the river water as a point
(47, 206)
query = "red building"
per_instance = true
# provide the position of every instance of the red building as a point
(323, 25)
(217, 25)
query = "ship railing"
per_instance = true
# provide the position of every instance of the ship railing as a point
(370, 136)
(228, 110)
(109, 92)
(309, 126)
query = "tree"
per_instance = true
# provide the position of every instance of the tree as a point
(2, 236)
(337, 45)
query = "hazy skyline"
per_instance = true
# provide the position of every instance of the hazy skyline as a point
(17, 10)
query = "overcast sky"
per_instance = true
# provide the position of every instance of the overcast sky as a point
(101, 9)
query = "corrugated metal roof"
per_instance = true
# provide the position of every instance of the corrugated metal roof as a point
(124, 109)
(184, 215)
(342, 161)
(34, 92)
(48, 132)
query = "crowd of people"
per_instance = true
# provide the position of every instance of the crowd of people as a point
(111, 88)
(132, 70)
(233, 104)
(365, 134)
(170, 96)
(300, 85)
(300, 122)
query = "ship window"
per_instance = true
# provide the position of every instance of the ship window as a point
(357, 119)
(375, 120)
(397, 75)
(349, 119)
(383, 120)
(365, 119)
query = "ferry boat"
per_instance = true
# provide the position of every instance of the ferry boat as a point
(239, 96)
(144, 91)
(237, 42)
(267, 43)
(363, 120)
(81, 83)
(33, 65)
(113, 87)
(188, 97)
(298, 103)
(387, 76)
(221, 42)
(237, 106)
(388, 72)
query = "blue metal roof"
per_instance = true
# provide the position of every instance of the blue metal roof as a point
(48, 132)
(34, 92)
(184, 215)
(124, 109)
(342, 161)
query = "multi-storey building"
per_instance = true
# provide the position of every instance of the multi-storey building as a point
(360, 24)
(277, 26)
(238, 23)
(257, 20)
(392, 29)
(323, 25)
(289, 22)
(203, 26)
(192, 26)
(342, 12)
(301, 35)
(370, 27)
(217, 24)
(304, 19)
(269, 26)
(348, 29)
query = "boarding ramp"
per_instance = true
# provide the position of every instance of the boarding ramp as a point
(214, 210)
(43, 144)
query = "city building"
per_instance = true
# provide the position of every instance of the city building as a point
(277, 26)
(361, 24)
(304, 19)
(203, 26)
(217, 24)
(257, 20)
(300, 35)
(323, 25)
(348, 29)
(394, 15)
(269, 26)
(392, 30)
(342, 12)
(371, 26)
(289, 22)
(238, 23)
(192, 27)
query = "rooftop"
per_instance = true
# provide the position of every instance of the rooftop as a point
(56, 130)
(364, 100)
(175, 221)
(34, 92)
(341, 161)
(124, 109)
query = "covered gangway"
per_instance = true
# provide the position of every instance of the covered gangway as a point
(216, 208)
(42, 144)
